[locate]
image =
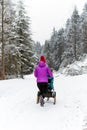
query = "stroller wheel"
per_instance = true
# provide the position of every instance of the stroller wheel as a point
(53, 94)
(54, 100)
(37, 99)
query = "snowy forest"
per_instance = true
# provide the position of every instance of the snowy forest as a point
(16, 46)
(19, 53)
(68, 44)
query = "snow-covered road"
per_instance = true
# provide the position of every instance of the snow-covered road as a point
(19, 111)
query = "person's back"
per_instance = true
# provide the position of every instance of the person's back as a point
(41, 72)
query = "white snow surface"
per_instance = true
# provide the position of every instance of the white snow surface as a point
(19, 111)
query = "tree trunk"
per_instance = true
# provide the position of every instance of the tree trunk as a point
(3, 64)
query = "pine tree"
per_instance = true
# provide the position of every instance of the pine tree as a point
(84, 29)
(37, 49)
(2, 40)
(47, 53)
(67, 56)
(58, 47)
(10, 40)
(24, 41)
(74, 30)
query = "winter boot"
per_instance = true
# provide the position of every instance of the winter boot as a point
(41, 100)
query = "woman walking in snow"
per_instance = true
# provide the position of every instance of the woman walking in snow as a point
(41, 71)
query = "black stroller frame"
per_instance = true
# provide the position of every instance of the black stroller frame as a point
(49, 94)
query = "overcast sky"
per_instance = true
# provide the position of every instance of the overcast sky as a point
(46, 14)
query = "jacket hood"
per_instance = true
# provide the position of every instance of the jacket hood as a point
(42, 58)
(42, 64)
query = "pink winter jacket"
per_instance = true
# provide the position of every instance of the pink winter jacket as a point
(41, 72)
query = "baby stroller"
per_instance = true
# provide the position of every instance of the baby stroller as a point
(50, 93)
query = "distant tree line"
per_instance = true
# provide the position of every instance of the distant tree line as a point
(16, 44)
(67, 44)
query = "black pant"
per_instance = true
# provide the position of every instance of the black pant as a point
(43, 88)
